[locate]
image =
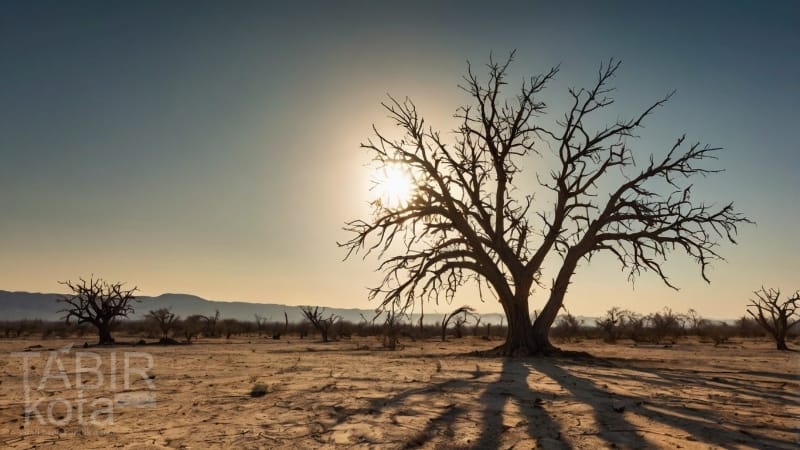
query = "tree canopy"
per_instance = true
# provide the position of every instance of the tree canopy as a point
(468, 219)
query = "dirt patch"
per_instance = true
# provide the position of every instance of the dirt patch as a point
(428, 395)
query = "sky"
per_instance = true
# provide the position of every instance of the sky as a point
(212, 148)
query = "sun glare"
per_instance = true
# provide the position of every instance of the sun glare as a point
(395, 186)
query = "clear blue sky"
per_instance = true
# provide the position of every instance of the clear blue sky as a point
(212, 147)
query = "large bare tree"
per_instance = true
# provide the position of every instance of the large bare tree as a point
(99, 303)
(468, 219)
(775, 316)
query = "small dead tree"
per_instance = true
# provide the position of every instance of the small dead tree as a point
(191, 327)
(98, 303)
(318, 320)
(391, 327)
(165, 319)
(665, 324)
(610, 324)
(567, 326)
(776, 317)
(231, 327)
(261, 324)
(211, 324)
(695, 321)
(633, 324)
(464, 310)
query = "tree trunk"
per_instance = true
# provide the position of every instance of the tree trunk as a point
(519, 337)
(781, 343)
(541, 328)
(105, 334)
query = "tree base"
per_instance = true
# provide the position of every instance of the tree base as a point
(531, 350)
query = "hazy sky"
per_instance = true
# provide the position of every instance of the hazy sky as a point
(212, 147)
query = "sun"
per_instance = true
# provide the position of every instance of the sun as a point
(395, 185)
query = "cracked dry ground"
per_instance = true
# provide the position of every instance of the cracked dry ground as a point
(352, 394)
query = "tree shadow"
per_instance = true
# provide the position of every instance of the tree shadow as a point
(606, 402)
(671, 408)
(513, 386)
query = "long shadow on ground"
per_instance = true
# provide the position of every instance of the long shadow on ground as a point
(696, 418)
(622, 403)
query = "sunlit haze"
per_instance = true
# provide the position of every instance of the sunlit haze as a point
(213, 148)
(394, 185)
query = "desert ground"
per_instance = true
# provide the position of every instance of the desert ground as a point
(354, 394)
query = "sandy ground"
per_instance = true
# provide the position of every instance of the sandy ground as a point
(352, 394)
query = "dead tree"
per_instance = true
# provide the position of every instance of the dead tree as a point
(211, 324)
(261, 324)
(665, 324)
(611, 324)
(165, 319)
(568, 327)
(231, 327)
(98, 303)
(464, 310)
(318, 320)
(391, 327)
(468, 219)
(695, 321)
(774, 316)
(191, 327)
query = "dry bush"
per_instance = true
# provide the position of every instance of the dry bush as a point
(665, 324)
(567, 327)
(191, 327)
(611, 324)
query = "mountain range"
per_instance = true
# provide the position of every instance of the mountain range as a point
(28, 305)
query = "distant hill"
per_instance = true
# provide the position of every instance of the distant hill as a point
(27, 305)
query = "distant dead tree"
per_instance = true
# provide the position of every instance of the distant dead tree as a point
(421, 318)
(98, 303)
(457, 313)
(633, 324)
(470, 220)
(391, 327)
(695, 321)
(261, 324)
(211, 324)
(191, 326)
(610, 324)
(276, 333)
(775, 316)
(318, 320)
(665, 324)
(231, 327)
(165, 319)
(568, 326)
